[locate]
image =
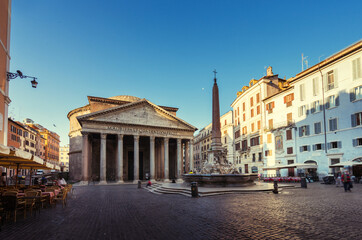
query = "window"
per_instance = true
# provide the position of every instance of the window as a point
(290, 150)
(258, 110)
(238, 111)
(318, 147)
(289, 118)
(225, 121)
(252, 113)
(330, 81)
(244, 145)
(332, 101)
(333, 124)
(269, 138)
(225, 140)
(244, 130)
(268, 153)
(254, 157)
(260, 157)
(315, 86)
(244, 117)
(237, 146)
(317, 128)
(357, 142)
(269, 107)
(270, 123)
(244, 107)
(254, 141)
(356, 119)
(356, 93)
(303, 110)
(304, 131)
(251, 101)
(305, 148)
(334, 145)
(289, 134)
(356, 68)
(302, 92)
(288, 100)
(252, 127)
(237, 134)
(258, 98)
(259, 125)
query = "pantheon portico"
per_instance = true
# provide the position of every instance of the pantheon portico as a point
(126, 138)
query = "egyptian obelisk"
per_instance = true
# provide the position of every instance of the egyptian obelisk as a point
(216, 132)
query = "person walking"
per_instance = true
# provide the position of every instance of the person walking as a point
(346, 179)
(338, 180)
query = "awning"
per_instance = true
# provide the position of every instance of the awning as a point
(294, 165)
(347, 163)
(12, 157)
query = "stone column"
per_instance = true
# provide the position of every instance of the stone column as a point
(120, 159)
(136, 158)
(179, 160)
(85, 158)
(103, 162)
(187, 157)
(167, 176)
(152, 158)
(191, 155)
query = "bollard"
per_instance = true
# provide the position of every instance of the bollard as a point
(275, 191)
(194, 190)
(139, 184)
(303, 182)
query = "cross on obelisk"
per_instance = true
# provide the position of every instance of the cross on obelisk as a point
(214, 74)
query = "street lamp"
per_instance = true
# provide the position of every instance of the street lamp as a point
(18, 73)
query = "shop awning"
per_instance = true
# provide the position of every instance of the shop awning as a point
(347, 163)
(294, 165)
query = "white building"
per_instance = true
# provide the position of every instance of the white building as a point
(202, 141)
(249, 121)
(325, 116)
(64, 158)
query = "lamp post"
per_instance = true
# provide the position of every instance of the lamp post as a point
(18, 73)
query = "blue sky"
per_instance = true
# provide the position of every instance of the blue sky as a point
(164, 51)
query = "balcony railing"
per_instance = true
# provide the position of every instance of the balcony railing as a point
(280, 125)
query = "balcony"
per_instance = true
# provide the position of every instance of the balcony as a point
(280, 125)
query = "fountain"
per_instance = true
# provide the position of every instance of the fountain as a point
(217, 171)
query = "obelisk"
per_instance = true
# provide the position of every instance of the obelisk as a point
(216, 132)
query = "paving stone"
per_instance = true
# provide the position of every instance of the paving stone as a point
(126, 212)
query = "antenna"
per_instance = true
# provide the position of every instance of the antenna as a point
(304, 61)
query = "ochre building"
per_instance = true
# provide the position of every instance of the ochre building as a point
(126, 138)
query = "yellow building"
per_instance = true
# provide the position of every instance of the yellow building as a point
(64, 158)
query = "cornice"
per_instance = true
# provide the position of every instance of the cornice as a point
(80, 109)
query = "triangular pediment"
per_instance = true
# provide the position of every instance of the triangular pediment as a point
(142, 113)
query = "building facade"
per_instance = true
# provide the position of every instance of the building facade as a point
(64, 158)
(249, 121)
(320, 116)
(126, 138)
(5, 19)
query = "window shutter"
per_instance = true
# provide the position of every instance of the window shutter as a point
(352, 95)
(301, 149)
(354, 142)
(300, 111)
(335, 75)
(292, 96)
(306, 110)
(314, 147)
(272, 104)
(327, 103)
(322, 145)
(308, 148)
(337, 100)
(353, 120)
(300, 131)
(325, 82)
(267, 107)
(312, 108)
(329, 145)
(307, 130)
(339, 144)
(285, 99)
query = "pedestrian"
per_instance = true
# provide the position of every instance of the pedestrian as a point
(149, 184)
(346, 179)
(3, 179)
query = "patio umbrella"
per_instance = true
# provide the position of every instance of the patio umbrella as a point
(347, 163)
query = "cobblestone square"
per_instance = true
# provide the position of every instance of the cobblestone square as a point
(125, 212)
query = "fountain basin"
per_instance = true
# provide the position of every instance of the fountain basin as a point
(221, 180)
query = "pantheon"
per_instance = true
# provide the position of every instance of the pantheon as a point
(125, 138)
